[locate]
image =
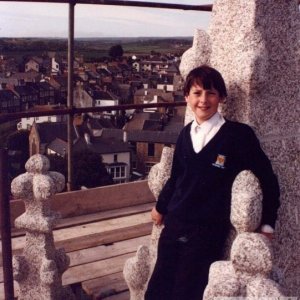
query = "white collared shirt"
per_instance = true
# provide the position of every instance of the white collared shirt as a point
(203, 133)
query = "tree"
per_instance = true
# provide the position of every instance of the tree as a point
(18, 144)
(116, 51)
(89, 170)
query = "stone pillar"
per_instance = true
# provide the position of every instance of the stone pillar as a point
(137, 270)
(256, 45)
(39, 270)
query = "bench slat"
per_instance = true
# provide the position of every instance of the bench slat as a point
(110, 284)
(95, 269)
(100, 216)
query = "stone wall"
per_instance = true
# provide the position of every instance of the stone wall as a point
(255, 45)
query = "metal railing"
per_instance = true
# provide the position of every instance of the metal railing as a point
(70, 111)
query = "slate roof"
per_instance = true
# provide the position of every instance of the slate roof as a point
(103, 144)
(103, 72)
(162, 137)
(49, 131)
(148, 127)
(41, 86)
(59, 146)
(25, 90)
(55, 136)
(27, 76)
(7, 95)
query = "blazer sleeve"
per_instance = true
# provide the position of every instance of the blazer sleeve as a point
(169, 188)
(254, 159)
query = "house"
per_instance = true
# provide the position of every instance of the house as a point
(51, 138)
(38, 64)
(148, 133)
(142, 96)
(165, 83)
(9, 102)
(28, 96)
(26, 123)
(95, 97)
(153, 64)
(60, 84)
(42, 134)
(55, 67)
(34, 64)
(19, 79)
(46, 92)
(114, 150)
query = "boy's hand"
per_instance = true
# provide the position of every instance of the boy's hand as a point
(268, 235)
(267, 231)
(156, 217)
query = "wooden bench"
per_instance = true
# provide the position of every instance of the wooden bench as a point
(100, 229)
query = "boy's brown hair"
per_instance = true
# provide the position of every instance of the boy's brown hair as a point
(208, 78)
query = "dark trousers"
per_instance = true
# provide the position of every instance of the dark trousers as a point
(183, 260)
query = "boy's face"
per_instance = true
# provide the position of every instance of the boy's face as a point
(204, 103)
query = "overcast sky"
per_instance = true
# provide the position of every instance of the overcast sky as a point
(19, 19)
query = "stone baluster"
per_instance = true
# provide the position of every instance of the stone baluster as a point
(137, 270)
(39, 269)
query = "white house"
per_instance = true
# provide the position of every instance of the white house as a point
(26, 123)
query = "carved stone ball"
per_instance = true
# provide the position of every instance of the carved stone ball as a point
(37, 164)
(59, 181)
(225, 287)
(252, 253)
(246, 202)
(263, 287)
(21, 186)
(220, 269)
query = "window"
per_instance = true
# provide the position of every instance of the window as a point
(122, 171)
(117, 172)
(115, 157)
(151, 149)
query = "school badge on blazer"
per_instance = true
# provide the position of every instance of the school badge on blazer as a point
(220, 161)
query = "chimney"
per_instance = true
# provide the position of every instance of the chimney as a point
(87, 138)
(125, 137)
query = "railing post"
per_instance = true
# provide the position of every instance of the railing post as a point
(70, 93)
(6, 228)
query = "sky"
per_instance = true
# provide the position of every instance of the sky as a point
(19, 19)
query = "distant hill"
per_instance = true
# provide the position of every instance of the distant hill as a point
(94, 47)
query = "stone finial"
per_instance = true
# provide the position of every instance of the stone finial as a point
(136, 273)
(251, 253)
(160, 172)
(246, 202)
(247, 273)
(39, 270)
(197, 55)
(263, 287)
(136, 268)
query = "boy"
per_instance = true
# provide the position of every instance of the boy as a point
(194, 205)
